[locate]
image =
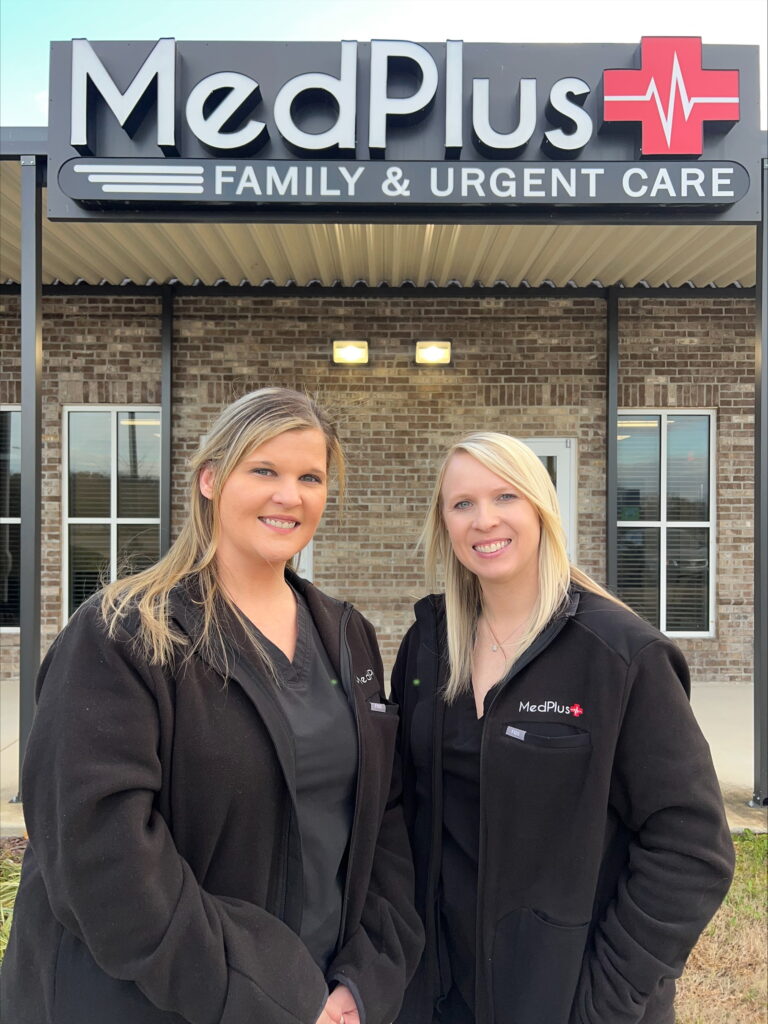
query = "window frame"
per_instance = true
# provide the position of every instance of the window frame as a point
(113, 520)
(10, 520)
(663, 525)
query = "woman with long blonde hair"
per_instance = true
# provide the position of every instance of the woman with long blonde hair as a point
(214, 836)
(568, 831)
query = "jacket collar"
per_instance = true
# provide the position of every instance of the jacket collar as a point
(430, 615)
(240, 667)
(327, 614)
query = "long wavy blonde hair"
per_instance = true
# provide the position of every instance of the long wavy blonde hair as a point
(515, 462)
(240, 428)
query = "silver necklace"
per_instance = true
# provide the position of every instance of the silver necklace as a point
(500, 643)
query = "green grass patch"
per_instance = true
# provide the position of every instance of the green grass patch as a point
(725, 979)
(747, 895)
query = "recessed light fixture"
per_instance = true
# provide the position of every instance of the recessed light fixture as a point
(434, 352)
(350, 352)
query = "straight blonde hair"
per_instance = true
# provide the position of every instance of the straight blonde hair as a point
(247, 423)
(515, 462)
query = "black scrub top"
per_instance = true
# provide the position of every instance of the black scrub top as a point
(325, 737)
(462, 735)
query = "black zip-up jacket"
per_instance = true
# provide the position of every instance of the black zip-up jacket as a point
(604, 848)
(163, 879)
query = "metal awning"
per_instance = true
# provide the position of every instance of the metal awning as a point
(466, 254)
(517, 255)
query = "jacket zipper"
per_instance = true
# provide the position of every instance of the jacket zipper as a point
(543, 641)
(345, 658)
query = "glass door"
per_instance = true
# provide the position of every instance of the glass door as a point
(559, 457)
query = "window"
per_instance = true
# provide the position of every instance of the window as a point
(666, 518)
(10, 516)
(111, 496)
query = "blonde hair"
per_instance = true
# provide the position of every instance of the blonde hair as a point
(241, 427)
(515, 462)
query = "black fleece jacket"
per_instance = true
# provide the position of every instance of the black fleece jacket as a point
(163, 879)
(604, 848)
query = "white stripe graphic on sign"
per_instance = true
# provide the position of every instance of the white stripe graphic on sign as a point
(137, 169)
(173, 189)
(148, 179)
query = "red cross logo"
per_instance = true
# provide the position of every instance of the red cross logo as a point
(576, 710)
(671, 95)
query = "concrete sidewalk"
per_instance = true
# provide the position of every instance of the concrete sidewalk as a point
(724, 712)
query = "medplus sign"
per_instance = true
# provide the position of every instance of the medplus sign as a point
(576, 710)
(672, 95)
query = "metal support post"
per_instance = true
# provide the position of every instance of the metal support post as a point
(760, 789)
(166, 410)
(31, 391)
(611, 443)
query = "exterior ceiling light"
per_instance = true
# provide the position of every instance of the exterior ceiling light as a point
(350, 352)
(434, 352)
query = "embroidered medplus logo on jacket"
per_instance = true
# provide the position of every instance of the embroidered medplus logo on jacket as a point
(552, 707)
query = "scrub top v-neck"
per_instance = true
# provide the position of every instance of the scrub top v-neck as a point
(325, 741)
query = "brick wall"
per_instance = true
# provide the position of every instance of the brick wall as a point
(395, 417)
(530, 366)
(96, 351)
(701, 355)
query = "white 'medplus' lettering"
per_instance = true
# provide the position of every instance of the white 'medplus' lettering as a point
(547, 705)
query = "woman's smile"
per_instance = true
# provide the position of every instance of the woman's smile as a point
(492, 547)
(280, 524)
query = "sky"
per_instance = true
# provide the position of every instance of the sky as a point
(28, 26)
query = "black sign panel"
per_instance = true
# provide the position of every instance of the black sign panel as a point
(225, 130)
(100, 182)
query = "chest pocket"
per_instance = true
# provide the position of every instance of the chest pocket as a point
(548, 735)
(543, 773)
(379, 722)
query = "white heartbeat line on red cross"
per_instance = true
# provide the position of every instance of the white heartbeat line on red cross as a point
(677, 86)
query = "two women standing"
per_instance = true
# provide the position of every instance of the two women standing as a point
(216, 828)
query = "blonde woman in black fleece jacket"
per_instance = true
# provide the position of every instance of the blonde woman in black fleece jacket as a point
(568, 830)
(215, 836)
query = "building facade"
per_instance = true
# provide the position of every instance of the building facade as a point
(583, 226)
(530, 365)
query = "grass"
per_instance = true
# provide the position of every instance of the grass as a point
(725, 981)
(726, 978)
(10, 869)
